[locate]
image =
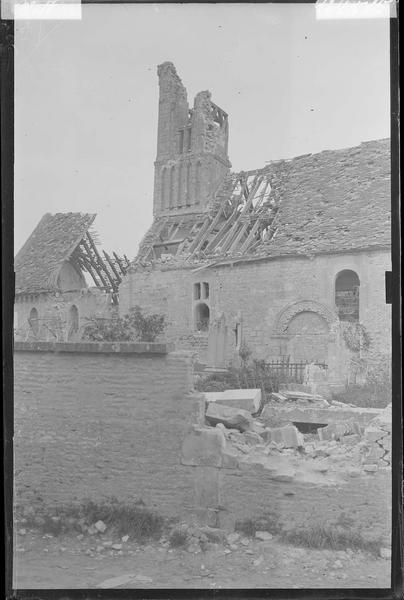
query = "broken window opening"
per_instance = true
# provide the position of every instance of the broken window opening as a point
(347, 295)
(202, 317)
(163, 188)
(198, 182)
(197, 291)
(172, 184)
(167, 248)
(237, 332)
(34, 321)
(205, 290)
(181, 141)
(73, 321)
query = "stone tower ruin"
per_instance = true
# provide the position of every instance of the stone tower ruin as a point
(192, 159)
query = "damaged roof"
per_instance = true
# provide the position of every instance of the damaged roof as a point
(333, 201)
(65, 237)
(50, 244)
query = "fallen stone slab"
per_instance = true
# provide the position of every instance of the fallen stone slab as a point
(234, 418)
(203, 447)
(336, 431)
(247, 399)
(318, 416)
(263, 535)
(289, 436)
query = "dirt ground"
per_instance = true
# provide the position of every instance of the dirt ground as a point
(67, 562)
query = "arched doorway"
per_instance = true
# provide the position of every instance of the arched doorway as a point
(308, 337)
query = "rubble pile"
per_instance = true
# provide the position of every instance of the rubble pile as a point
(248, 439)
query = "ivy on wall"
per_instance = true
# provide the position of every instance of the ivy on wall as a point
(356, 337)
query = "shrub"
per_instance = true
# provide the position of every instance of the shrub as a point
(133, 326)
(268, 521)
(178, 538)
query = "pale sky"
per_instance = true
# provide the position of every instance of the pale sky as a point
(87, 96)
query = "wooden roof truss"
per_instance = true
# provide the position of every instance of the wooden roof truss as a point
(106, 271)
(242, 221)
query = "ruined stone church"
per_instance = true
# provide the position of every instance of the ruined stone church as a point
(282, 260)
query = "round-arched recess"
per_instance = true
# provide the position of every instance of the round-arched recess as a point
(34, 321)
(347, 285)
(308, 339)
(73, 321)
(202, 317)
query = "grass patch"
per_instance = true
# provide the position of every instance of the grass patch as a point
(268, 521)
(133, 519)
(322, 537)
(339, 535)
(365, 396)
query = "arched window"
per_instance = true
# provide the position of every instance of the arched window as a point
(198, 173)
(347, 295)
(172, 186)
(180, 184)
(163, 190)
(73, 321)
(202, 317)
(188, 191)
(34, 321)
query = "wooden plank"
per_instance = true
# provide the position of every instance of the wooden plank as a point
(111, 264)
(93, 263)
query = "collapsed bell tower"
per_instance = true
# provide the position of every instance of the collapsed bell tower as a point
(192, 148)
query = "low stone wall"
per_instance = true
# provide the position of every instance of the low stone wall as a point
(94, 420)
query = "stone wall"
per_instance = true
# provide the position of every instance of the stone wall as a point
(99, 420)
(259, 294)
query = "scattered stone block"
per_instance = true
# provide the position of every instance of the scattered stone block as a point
(203, 447)
(373, 434)
(234, 418)
(100, 526)
(263, 535)
(233, 537)
(336, 431)
(249, 399)
(289, 436)
(252, 438)
(370, 468)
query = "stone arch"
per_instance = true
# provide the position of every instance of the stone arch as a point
(286, 315)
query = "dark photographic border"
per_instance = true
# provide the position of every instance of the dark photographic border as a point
(393, 296)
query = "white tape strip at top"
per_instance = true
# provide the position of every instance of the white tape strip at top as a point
(341, 9)
(42, 10)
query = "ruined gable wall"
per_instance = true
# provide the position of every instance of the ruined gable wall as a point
(261, 290)
(53, 312)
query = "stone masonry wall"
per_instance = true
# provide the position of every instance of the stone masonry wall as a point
(99, 420)
(260, 291)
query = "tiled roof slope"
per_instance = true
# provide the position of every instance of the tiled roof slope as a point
(52, 242)
(332, 201)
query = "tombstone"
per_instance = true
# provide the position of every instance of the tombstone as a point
(217, 342)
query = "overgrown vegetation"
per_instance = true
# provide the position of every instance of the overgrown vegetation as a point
(178, 538)
(133, 326)
(376, 390)
(268, 521)
(133, 519)
(338, 535)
